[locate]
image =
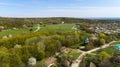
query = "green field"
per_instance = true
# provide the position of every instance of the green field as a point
(47, 28)
(13, 32)
(57, 28)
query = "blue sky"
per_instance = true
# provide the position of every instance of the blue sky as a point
(60, 8)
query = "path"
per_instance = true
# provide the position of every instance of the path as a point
(80, 58)
(38, 28)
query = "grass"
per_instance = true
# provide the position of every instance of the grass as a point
(57, 28)
(110, 50)
(13, 32)
(71, 53)
(47, 28)
(115, 43)
(17, 31)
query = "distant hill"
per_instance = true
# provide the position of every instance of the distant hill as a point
(18, 22)
(116, 19)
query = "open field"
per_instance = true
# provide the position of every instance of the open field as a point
(47, 28)
(57, 28)
(13, 32)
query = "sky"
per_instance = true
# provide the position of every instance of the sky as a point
(60, 8)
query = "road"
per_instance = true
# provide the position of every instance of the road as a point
(80, 58)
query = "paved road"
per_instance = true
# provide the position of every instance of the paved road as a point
(80, 58)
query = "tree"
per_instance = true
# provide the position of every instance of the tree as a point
(4, 57)
(102, 36)
(99, 42)
(25, 54)
(102, 41)
(103, 55)
(40, 46)
(89, 46)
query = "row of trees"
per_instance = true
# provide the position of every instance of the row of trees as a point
(19, 22)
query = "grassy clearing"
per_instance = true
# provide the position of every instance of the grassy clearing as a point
(47, 28)
(57, 28)
(13, 32)
(17, 31)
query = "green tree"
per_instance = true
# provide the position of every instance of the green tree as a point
(103, 55)
(102, 35)
(4, 57)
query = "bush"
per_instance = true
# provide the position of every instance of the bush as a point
(89, 46)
